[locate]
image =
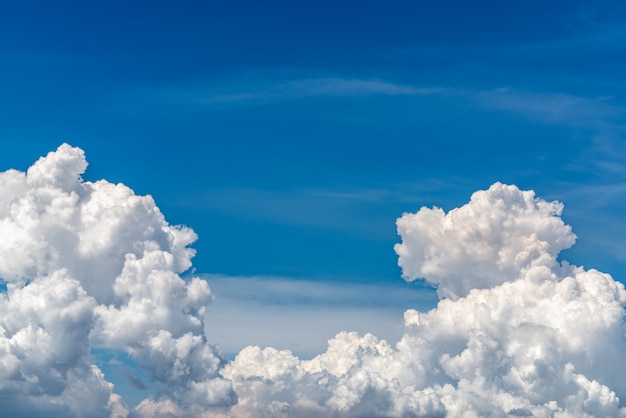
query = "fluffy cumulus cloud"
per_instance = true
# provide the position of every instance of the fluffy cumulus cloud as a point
(516, 333)
(91, 265)
(500, 234)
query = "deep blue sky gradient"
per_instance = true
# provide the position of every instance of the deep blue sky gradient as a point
(291, 135)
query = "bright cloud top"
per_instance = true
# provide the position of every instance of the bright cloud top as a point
(501, 233)
(92, 265)
(519, 335)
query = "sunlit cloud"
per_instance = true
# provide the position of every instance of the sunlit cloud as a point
(92, 270)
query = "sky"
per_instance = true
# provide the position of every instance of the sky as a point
(297, 143)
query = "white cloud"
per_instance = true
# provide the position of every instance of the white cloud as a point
(92, 265)
(501, 233)
(519, 335)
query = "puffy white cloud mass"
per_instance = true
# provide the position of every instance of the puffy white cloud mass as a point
(516, 333)
(502, 233)
(91, 265)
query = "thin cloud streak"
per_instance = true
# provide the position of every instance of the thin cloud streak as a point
(301, 315)
(340, 292)
(321, 87)
(238, 92)
(547, 107)
(554, 108)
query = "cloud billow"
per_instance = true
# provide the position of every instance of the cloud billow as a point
(501, 233)
(91, 265)
(516, 333)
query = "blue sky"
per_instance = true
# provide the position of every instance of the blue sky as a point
(291, 136)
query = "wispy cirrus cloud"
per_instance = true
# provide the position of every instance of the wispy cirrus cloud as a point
(312, 87)
(302, 314)
(266, 88)
(554, 108)
(338, 292)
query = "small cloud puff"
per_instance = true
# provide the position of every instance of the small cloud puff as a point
(500, 233)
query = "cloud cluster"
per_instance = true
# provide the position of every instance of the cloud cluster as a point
(516, 334)
(501, 233)
(91, 265)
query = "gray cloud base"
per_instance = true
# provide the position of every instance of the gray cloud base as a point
(91, 265)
